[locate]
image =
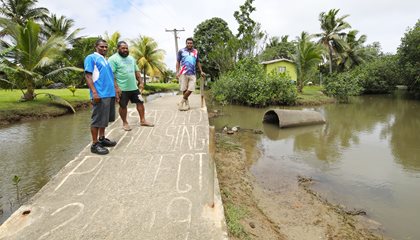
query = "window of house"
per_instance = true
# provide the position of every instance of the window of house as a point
(282, 69)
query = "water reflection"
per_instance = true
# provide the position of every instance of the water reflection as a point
(366, 156)
(36, 151)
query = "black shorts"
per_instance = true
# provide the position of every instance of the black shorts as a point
(132, 96)
(103, 112)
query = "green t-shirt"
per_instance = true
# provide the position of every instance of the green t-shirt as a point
(124, 71)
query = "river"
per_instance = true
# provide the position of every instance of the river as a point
(366, 156)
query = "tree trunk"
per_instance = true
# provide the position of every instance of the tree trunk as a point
(144, 77)
(330, 55)
(30, 89)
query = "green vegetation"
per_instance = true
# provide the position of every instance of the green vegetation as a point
(409, 59)
(248, 84)
(342, 86)
(307, 58)
(160, 87)
(234, 214)
(332, 33)
(13, 109)
(148, 56)
(212, 39)
(313, 95)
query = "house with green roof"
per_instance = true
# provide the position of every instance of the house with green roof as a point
(281, 65)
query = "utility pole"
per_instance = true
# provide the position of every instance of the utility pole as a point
(176, 37)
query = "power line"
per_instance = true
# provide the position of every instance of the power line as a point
(140, 11)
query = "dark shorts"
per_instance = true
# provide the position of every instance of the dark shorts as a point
(132, 96)
(103, 112)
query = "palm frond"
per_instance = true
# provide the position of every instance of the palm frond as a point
(58, 100)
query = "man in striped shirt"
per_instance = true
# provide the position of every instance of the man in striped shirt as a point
(187, 60)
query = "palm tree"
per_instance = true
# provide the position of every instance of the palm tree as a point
(28, 53)
(148, 56)
(20, 11)
(307, 57)
(355, 53)
(112, 42)
(332, 35)
(60, 26)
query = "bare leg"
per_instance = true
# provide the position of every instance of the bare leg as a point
(94, 133)
(187, 94)
(143, 122)
(140, 109)
(101, 132)
(123, 115)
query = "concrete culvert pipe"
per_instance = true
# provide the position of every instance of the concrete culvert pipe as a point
(293, 118)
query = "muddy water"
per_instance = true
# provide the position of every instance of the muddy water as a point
(36, 150)
(367, 157)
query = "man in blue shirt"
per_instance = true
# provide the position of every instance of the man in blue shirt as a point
(187, 60)
(100, 79)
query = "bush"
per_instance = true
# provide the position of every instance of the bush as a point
(379, 76)
(248, 84)
(342, 86)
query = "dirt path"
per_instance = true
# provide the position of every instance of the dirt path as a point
(294, 212)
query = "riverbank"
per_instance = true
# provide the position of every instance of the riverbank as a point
(295, 212)
(12, 110)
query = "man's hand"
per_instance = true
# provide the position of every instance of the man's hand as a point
(118, 93)
(203, 75)
(141, 87)
(177, 75)
(96, 98)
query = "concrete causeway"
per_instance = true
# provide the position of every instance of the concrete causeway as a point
(155, 184)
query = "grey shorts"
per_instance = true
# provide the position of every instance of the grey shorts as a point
(103, 112)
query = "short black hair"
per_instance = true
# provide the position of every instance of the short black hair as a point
(100, 40)
(189, 39)
(121, 43)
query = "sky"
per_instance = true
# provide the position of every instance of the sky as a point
(383, 21)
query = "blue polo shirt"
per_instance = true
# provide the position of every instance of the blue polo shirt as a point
(102, 76)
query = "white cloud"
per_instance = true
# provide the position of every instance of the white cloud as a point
(384, 21)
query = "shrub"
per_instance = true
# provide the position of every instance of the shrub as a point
(342, 86)
(380, 75)
(248, 84)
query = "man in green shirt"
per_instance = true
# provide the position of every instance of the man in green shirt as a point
(128, 77)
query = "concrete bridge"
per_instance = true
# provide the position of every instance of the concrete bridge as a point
(157, 183)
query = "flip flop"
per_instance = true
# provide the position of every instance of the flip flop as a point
(127, 128)
(147, 124)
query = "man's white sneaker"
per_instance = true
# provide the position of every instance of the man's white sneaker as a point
(187, 105)
(181, 105)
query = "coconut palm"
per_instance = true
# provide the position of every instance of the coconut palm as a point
(355, 53)
(333, 32)
(148, 56)
(19, 11)
(29, 53)
(60, 26)
(112, 41)
(307, 57)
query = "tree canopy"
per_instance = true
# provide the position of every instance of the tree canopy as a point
(210, 37)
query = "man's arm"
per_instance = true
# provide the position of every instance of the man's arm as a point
(140, 82)
(89, 82)
(201, 70)
(117, 90)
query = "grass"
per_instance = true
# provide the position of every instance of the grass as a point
(234, 214)
(312, 95)
(151, 88)
(12, 109)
